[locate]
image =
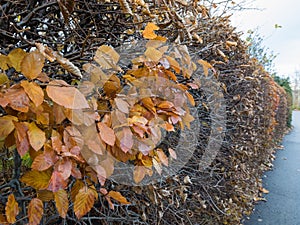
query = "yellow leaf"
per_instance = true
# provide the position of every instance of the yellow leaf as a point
(4, 62)
(75, 189)
(11, 209)
(107, 57)
(32, 64)
(84, 201)
(65, 95)
(36, 136)
(119, 197)
(7, 125)
(61, 202)
(16, 56)
(37, 179)
(45, 195)
(148, 33)
(35, 211)
(3, 78)
(34, 92)
(153, 54)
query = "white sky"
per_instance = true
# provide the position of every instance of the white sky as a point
(283, 41)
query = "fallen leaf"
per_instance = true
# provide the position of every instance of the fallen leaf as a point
(32, 65)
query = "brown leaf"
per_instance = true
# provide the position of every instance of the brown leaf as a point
(66, 8)
(107, 57)
(22, 141)
(58, 112)
(148, 33)
(139, 173)
(44, 161)
(64, 167)
(172, 153)
(118, 196)
(106, 133)
(56, 182)
(84, 201)
(101, 174)
(11, 209)
(67, 65)
(15, 57)
(35, 211)
(206, 65)
(125, 138)
(45, 195)
(153, 54)
(7, 125)
(162, 157)
(122, 105)
(61, 202)
(190, 98)
(65, 95)
(112, 86)
(34, 92)
(36, 136)
(37, 179)
(18, 99)
(75, 189)
(32, 65)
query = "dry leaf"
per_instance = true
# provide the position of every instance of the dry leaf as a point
(15, 57)
(148, 33)
(35, 211)
(32, 65)
(36, 136)
(106, 133)
(11, 209)
(119, 197)
(61, 202)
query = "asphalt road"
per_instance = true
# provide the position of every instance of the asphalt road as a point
(283, 182)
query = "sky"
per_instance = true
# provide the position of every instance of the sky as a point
(284, 41)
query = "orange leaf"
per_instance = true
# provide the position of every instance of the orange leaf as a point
(37, 179)
(18, 99)
(148, 33)
(7, 125)
(119, 197)
(11, 209)
(35, 211)
(58, 112)
(64, 167)
(22, 141)
(190, 98)
(84, 201)
(106, 133)
(15, 57)
(34, 92)
(43, 161)
(65, 95)
(139, 173)
(32, 64)
(165, 105)
(61, 202)
(36, 136)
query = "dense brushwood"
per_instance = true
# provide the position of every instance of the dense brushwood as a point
(53, 55)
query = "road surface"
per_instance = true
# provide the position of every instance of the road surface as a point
(283, 182)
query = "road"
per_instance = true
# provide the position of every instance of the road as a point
(283, 182)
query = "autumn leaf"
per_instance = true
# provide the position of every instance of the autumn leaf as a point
(15, 57)
(11, 209)
(119, 197)
(4, 62)
(45, 195)
(106, 133)
(36, 136)
(65, 95)
(22, 141)
(153, 54)
(125, 138)
(37, 179)
(172, 153)
(139, 173)
(84, 201)
(206, 65)
(75, 189)
(35, 211)
(107, 57)
(18, 99)
(45, 160)
(148, 33)
(122, 105)
(34, 92)
(32, 65)
(7, 125)
(61, 202)
(162, 157)
(56, 182)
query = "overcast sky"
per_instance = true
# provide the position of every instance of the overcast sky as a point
(284, 41)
